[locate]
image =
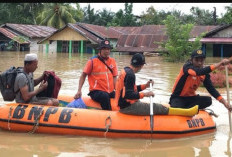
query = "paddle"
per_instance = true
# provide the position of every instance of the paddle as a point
(151, 110)
(228, 96)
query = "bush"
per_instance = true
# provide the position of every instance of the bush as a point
(218, 77)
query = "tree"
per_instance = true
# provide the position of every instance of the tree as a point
(150, 17)
(77, 13)
(124, 17)
(129, 19)
(227, 18)
(201, 16)
(32, 9)
(55, 15)
(22, 13)
(89, 15)
(4, 13)
(104, 17)
(177, 46)
(118, 18)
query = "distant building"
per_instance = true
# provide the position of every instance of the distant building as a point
(22, 37)
(146, 38)
(218, 41)
(79, 38)
(84, 38)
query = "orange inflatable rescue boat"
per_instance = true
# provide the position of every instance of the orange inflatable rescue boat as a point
(99, 123)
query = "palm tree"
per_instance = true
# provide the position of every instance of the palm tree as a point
(55, 15)
(31, 9)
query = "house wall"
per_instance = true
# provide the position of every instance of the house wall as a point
(227, 48)
(226, 33)
(67, 34)
(34, 47)
(51, 48)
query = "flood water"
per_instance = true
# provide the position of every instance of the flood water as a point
(69, 68)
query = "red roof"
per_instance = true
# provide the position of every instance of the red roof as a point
(12, 36)
(126, 30)
(197, 30)
(79, 28)
(144, 38)
(31, 31)
(105, 32)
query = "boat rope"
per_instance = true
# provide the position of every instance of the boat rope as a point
(9, 117)
(36, 122)
(107, 125)
(211, 112)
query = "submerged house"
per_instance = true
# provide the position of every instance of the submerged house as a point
(22, 37)
(218, 41)
(79, 38)
(146, 38)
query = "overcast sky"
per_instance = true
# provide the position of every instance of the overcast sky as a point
(138, 8)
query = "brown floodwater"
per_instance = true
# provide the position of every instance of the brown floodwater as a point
(69, 68)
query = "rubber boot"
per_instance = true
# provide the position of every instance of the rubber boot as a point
(183, 112)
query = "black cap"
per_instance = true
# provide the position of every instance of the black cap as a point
(138, 59)
(197, 53)
(104, 44)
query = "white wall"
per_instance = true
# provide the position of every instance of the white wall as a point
(34, 47)
(52, 47)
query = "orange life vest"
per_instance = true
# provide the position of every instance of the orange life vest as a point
(191, 83)
(120, 88)
(101, 77)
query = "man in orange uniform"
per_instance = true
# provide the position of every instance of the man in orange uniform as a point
(191, 75)
(102, 74)
(128, 94)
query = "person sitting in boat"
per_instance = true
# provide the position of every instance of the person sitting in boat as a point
(128, 94)
(24, 84)
(102, 74)
(192, 74)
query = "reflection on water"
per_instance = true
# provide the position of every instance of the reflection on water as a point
(69, 68)
(12, 144)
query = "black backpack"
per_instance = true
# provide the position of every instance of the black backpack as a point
(7, 80)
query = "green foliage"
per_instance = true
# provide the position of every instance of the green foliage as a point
(22, 13)
(77, 13)
(118, 20)
(203, 17)
(12, 43)
(89, 15)
(104, 17)
(59, 14)
(55, 15)
(20, 38)
(177, 47)
(129, 19)
(150, 17)
(227, 18)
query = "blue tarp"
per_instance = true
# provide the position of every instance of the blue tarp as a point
(77, 103)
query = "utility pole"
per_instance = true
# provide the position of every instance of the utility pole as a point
(214, 16)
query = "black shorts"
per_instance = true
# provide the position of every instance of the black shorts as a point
(188, 102)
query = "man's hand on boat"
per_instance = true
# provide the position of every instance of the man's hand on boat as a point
(148, 94)
(148, 83)
(78, 95)
(226, 104)
(222, 63)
